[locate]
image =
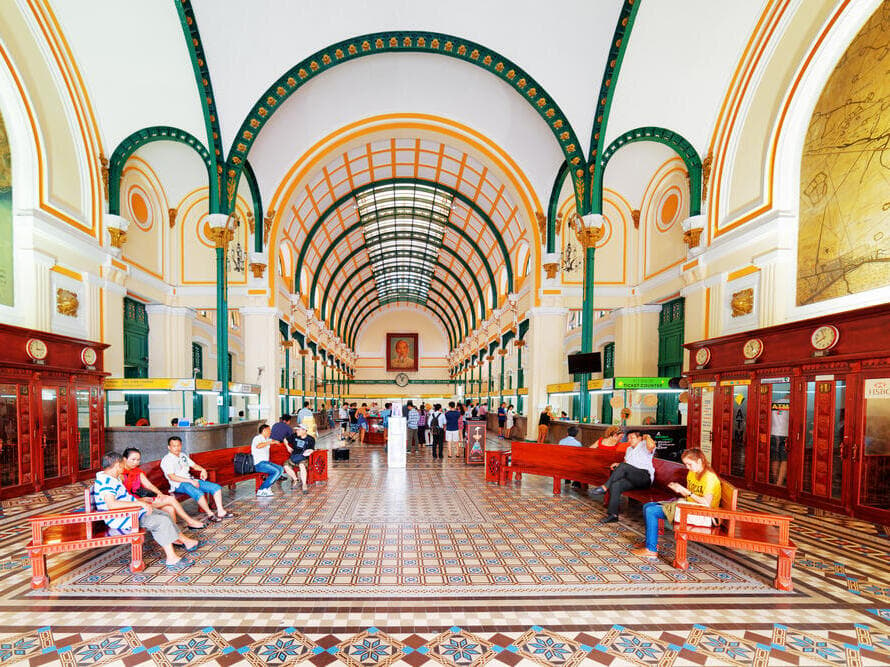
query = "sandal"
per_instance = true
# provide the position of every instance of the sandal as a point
(201, 527)
(227, 515)
(212, 518)
(181, 564)
(200, 543)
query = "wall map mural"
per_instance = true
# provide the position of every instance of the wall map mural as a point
(6, 267)
(844, 235)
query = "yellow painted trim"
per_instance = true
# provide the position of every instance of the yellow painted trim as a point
(118, 265)
(256, 291)
(552, 291)
(67, 272)
(748, 270)
(735, 383)
(707, 312)
(563, 386)
(690, 265)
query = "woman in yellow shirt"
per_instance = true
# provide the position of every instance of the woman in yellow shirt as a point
(702, 488)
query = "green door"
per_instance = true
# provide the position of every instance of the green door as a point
(135, 356)
(670, 357)
(198, 371)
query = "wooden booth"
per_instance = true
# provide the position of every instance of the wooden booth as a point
(800, 410)
(51, 415)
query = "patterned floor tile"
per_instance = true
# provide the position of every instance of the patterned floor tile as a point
(287, 647)
(193, 649)
(368, 648)
(458, 647)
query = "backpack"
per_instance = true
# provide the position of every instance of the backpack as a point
(434, 423)
(243, 464)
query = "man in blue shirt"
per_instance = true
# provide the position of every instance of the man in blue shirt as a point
(386, 413)
(635, 472)
(413, 444)
(282, 428)
(452, 432)
(109, 494)
(570, 439)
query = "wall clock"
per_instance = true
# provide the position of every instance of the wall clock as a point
(702, 356)
(825, 337)
(402, 379)
(88, 356)
(36, 349)
(753, 348)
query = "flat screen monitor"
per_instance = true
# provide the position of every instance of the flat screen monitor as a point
(588, 362)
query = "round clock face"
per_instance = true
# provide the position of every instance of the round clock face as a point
(88, 356)
(825, 337)
(402, 379)
(753, 348)
(702, 356)
(36, 349)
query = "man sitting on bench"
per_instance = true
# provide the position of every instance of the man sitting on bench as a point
(109, 494)
(176, 466)
(300, 445)
(636, 472)
(259, 448)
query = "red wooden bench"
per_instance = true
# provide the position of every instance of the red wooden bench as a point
(561, 462)
(220, 467)
(665, 473)
(77, 531)
(753, 531)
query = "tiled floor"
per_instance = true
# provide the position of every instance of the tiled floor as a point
(431, 564)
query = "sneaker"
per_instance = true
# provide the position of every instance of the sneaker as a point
(265, 493)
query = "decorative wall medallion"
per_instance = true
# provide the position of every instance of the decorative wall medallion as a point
(742, 302)
(825, 337)
(702, 356)
(66, 302)
(753, 349)
(36, 349)
(88, 356)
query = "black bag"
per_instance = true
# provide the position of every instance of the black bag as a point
(244, 464)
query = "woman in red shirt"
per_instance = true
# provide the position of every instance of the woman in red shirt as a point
(610, 440)
(137, 483)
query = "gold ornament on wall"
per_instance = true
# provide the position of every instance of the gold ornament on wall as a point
(118, 237)
(66, 302)
(692, 237)
(171, 213)
(551, 268)
(257, 269)
(742, 302)
(635, 216)
(251, 223)
(103, 162)
(558, 225)
(706, 174)
(542, 224)
(267, 225)
(588, 237)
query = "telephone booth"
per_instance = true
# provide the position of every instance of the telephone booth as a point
(51, 410)
(800, 410)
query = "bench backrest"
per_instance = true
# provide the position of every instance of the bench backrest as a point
(729, 495)
(667, 472)
(562, 457)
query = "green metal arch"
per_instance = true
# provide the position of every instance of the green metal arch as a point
(257, 201)
(368, 293)
(453, 328)
(553, 205)
(395, 42)
(345, 232)
(455, 193)
(132, 143)
(208, 101)
(358, 326)
(681, 147)
(371, 278)
(593, 203)
(390, 255)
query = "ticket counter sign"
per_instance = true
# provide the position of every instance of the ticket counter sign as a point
(149, 384)
(641, 383)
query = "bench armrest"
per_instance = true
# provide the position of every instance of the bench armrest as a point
(38, 523)
(782, 522)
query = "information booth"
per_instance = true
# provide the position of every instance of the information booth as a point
(51, 425)
(800, 410)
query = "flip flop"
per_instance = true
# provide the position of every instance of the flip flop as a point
(212, 518)
(201, 527)
(228, 515)
(200, 543)
(181, 564)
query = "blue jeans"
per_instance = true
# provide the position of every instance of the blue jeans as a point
(272, 471)
(203, 487)
(652, 512)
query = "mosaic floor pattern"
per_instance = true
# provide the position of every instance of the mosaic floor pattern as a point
(432, 565)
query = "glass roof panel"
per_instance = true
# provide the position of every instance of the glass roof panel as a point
(403, 225)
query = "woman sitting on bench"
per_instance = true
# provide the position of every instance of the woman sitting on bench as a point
(702, 488)
(137, 484)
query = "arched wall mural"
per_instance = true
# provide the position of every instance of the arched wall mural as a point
(843, 237)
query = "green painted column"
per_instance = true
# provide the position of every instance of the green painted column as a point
(222, 332)
(503, 357)
(588, 236)
(315, 382)
(302, 378)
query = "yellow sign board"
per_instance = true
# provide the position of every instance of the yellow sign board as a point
(147, 384)
(522, 391)
(562, 387)
(734, 383)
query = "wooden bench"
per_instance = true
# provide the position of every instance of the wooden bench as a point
(561, 462)
(665, 473)
(220, 467)
(753, 531)
(77, 531)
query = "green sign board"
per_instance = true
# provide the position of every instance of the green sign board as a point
(641, 383)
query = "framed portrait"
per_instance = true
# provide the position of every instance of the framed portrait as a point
(401, 352)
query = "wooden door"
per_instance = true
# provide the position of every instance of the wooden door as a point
(870, 449)
(819, 470)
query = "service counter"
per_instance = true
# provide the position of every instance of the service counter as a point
(671, 438)
(152, 442)
(520, 424)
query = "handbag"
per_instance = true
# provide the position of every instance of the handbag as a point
(244, 464)
(670, 511)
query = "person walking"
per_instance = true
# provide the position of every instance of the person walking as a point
(452, 428)
(508, 424)
(412, 443)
